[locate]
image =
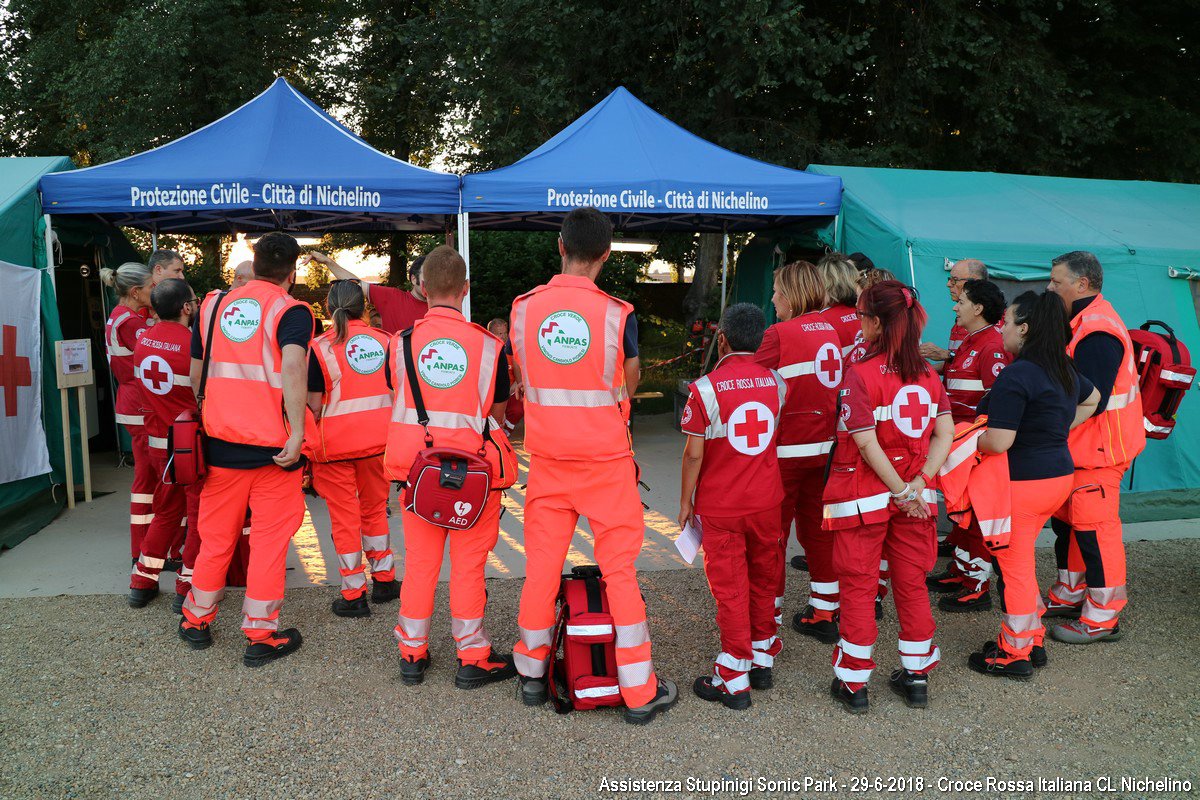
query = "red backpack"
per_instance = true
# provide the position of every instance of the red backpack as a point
(584, 676)
(1164, 374)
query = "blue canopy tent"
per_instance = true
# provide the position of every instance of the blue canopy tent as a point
(278, 162)
(650, 174)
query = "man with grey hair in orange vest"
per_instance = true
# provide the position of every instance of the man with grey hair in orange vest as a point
(1089, 549)
(576, 348)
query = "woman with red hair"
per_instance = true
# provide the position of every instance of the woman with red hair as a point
(894, 434)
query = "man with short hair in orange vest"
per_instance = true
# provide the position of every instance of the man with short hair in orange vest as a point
(576, 350)
(463, 378)
(1089, 549)
(253, 411)
(350, 399)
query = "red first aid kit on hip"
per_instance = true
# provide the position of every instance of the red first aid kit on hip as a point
(584, 676)
(185, 448)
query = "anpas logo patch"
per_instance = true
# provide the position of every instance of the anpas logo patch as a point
(564, 337)
(240, 319)
(365, 354)
(442, 363)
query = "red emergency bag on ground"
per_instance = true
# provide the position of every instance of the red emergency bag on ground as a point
(584, 675)
(1164, 374)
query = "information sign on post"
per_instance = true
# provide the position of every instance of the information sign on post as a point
(73, 361)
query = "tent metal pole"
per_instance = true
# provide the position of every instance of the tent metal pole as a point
(50, 254)
(724, 268)
(154, 239)
(912, 270)
(464, 249)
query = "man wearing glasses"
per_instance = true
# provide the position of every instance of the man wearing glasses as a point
(398, 309)
(962, 271)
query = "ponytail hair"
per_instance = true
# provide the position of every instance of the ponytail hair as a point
(902, 319)
(345, 303)
(126, 277)
(1049, 333)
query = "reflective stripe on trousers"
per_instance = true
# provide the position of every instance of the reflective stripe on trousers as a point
(412, 632)
(1069, 589)
(1102, 605)
(538, 643)
(849, 674)
(469, 634)
(260, 614)
(919, 656)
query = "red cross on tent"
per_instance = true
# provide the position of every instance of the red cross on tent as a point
(14, 370)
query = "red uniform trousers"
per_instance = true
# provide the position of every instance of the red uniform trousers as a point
(424, 547)
(802, 489)
(277, 509)
(1090, 550)
(972, 560)
(356, 494)
(141, 493)
(175, 508)
(910, 546)
(1016, 566)
(741, 560)
(605, 492)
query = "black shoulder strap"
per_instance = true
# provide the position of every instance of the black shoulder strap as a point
(414, 385)
(212, 327)
(1171, 341)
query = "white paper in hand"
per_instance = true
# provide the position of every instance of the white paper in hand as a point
(688, 542)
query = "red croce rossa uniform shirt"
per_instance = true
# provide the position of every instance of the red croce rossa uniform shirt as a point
(163, 358)
(972, 369)
(736, 409)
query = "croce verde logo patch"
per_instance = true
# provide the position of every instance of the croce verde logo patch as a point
(240, 319)
(564, 337)
(442, 363)
(364, 354)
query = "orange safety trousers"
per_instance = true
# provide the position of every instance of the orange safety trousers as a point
(175, 508)
(605, 492)
(424, 547)
(802, 487)
(910, 547)
(1016, 566)
(356, 494)
(276, 511)
(1089, 547)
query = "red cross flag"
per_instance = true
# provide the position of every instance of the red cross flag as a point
(23, 451)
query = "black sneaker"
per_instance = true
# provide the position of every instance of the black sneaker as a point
(800, 563)
(663, 699)
(139, 598)
(967, 601)
(761, 678)
(945, 548)
(197, 638)
(878, 608)
(277, 646)
(704, 689)
(1038, 657)
(497, 668)
(384, 591)
(177, 603)
(412, 672)
(913, 688)
(855, 702)
(990, 662)
(824, 630)
(358, 607)
(944, 582)
(173, 565)
(531, 691)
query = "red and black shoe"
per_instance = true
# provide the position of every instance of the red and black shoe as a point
(998, 663)
(273, 647)
(140, 598)
(944, 582)
(384, 591)
(480, 673)
(978, 600)
(198, 637)
(800, 563)
(855, 702)
(704, 689)
(412, 670)
(819, 626)
(912, 687)
(358, 607)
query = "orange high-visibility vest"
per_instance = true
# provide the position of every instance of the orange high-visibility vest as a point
(567, 336)
(244, 394)
(456, 365)
(357, 403)
(1115, 435)
(976, 485)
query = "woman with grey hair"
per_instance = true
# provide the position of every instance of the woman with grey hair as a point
(132, 282)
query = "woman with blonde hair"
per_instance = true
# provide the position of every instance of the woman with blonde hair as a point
(840, 279)
(349, 396)
(132, 283)
(804, 348)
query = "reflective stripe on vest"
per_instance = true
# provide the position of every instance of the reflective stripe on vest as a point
(575, 398)
(708, 396)
(803, 450)
(866, 505)
(114, 346)
(964, 385)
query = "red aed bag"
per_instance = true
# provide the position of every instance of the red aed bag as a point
(1165, 372)
(448, 487)
(185, 450)
(584, 676)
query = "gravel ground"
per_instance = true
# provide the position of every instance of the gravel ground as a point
(100, 700)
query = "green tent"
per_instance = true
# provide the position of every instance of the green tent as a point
(913, 221)
(28, 505)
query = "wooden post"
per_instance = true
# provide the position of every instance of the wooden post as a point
(66, 424)
(83, 446)
(73, 357)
